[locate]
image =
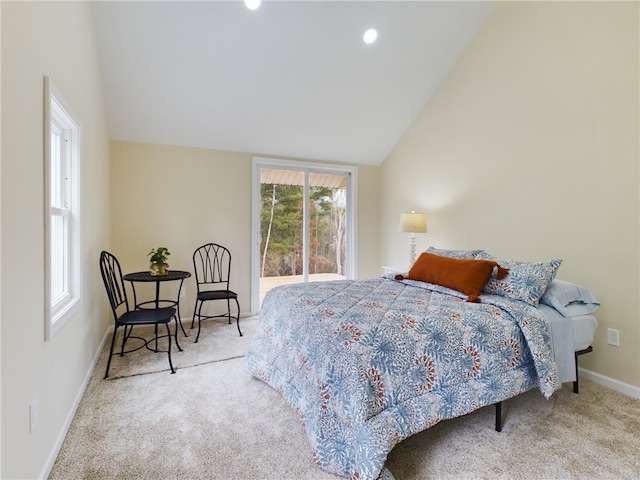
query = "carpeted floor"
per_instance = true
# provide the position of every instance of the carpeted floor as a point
(212, 420)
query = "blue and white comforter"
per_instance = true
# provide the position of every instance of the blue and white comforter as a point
(367, 363)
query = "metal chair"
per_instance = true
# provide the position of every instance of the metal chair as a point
(212, 268)
(127, 318)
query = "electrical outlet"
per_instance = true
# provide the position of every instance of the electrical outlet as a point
(613, 337)
(33, 414)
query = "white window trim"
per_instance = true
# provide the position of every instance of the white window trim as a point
(352, 209)
(57, 315)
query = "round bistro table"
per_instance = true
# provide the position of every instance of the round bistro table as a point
(146, 277)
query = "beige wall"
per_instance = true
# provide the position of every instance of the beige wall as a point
(182, 197)
(529, 150)
(54, 39)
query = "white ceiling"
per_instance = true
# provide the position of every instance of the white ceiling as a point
(290, 79)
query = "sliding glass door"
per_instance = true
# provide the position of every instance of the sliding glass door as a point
(303, 224)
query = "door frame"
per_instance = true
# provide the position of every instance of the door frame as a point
(351, 172)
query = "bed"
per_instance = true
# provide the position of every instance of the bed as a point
(367, 363)
(569, 311)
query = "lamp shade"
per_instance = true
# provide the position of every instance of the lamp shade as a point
(413, 222)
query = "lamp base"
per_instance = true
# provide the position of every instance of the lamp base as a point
(412, 250)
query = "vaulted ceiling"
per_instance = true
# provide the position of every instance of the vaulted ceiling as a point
(290, 79)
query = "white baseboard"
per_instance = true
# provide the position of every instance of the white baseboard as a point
(72, 413)
(611, 383)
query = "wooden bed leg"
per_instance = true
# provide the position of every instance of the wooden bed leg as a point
(499, 417)
(576, 384)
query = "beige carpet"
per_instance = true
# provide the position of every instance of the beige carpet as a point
(211, 420)
(218, 341)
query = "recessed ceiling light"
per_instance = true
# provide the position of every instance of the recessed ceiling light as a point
(252, 4)
(370, 35)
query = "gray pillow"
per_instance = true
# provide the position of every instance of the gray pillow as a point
(569, 299)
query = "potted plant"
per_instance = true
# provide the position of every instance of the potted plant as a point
(158, 257)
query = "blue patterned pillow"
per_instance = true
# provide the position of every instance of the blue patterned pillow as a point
(526, 281)
(482, 255)
(460, 254)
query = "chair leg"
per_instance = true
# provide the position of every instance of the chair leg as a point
(229, 310)
(113, 341)
(238, 317)
(195, 308)
(155, 330)
(179, 320)
(125, 336)
(178, 310)
(169, 346)
(199, 322)
(177, 343)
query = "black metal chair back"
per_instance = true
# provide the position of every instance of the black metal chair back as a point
(114, 283)
(212, 269)
(212, 266)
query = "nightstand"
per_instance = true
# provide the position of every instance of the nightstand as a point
(387, 270)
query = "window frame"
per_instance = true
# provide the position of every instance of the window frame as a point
(59, 117)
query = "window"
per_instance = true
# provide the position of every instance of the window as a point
(303, 224)
(62, 210)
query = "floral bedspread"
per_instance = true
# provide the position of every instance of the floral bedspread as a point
(367, 363)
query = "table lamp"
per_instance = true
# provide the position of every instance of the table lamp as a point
(413, 223)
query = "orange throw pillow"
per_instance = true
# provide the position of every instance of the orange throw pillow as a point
(465, 276)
